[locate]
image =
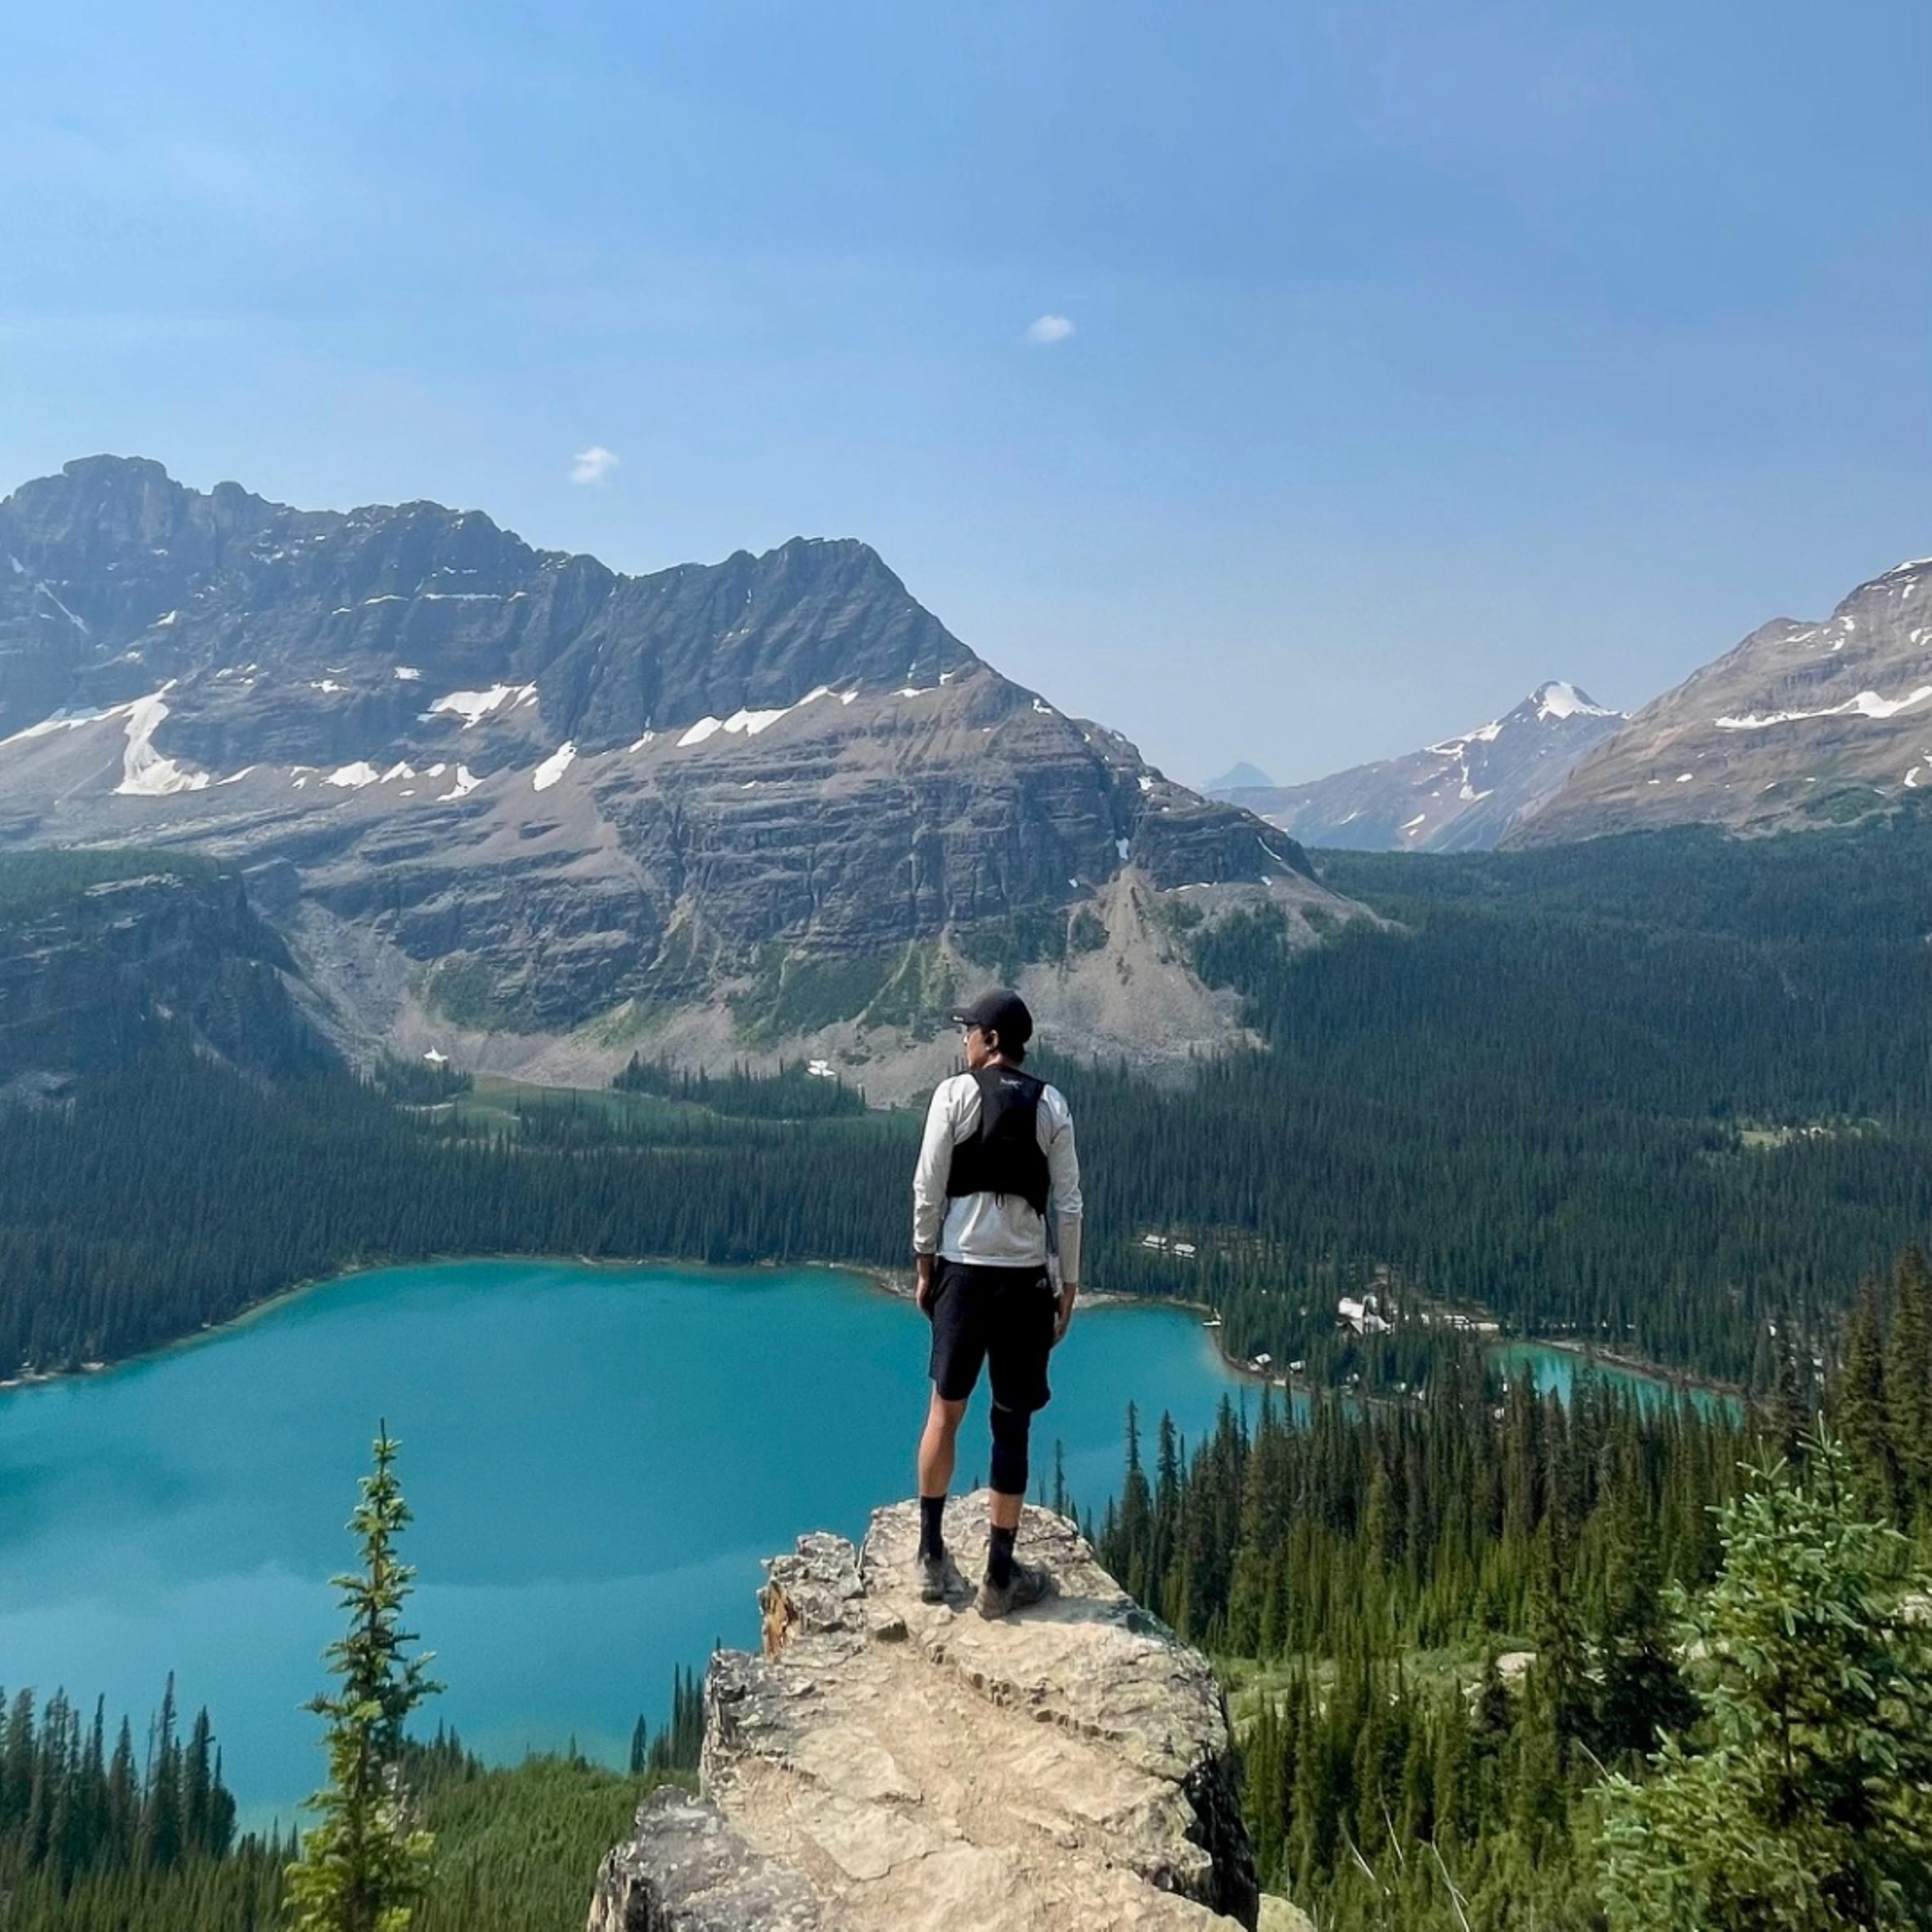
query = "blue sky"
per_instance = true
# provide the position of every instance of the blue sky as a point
(1418, 351)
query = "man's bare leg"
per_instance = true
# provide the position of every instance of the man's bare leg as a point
(1005, 1510)
(938, 1447)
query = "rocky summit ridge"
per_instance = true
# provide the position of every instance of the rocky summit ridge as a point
(1461, 795)
(1801, 724)
(888, 1766)
(516, 807)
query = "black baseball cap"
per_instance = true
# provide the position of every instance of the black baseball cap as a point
(1001, 1012)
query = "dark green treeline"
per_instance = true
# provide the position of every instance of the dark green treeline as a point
(1658, 1091)
(1363, 1576)
(794, 1092)
(170, 1194)
(1382, 1562)
(1664, 1093)
(676, 1746)
(1442, 1521)
(101, 1830)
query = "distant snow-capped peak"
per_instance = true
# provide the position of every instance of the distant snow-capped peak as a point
(1557, 699)
(1459, 794)
(1549, 703)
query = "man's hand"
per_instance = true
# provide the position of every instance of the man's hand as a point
(922, 1289)
(1063, 1318)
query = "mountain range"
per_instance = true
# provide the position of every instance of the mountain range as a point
(512, 806)
(1803, 724)
(1461, 795)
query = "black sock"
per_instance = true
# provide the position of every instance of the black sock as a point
(931, 1508)
(999, 1558)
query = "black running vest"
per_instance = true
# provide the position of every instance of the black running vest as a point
(1004, 1155)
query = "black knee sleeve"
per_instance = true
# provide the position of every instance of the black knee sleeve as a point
(1010, 1429)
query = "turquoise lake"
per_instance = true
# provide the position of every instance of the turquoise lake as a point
(597, 1458)
(1556, 1370)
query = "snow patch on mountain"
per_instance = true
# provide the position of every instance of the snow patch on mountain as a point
(145, 772)
(750, 723)
(62, 720)
(1867, 704)
(554, 767)
(473, 707)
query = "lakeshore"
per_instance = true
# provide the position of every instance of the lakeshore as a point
(897, 1283)
(598, 1458)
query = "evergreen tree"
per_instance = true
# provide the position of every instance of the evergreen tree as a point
(1641, 1693)
(124, 1796)
(365, 1867)
(1861, 1412)
(1908, 1383)
(676, 1746)
(1792, 1416)
(161, 1826)
(1812, 1807)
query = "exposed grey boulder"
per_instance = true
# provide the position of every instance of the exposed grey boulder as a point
(687, 1870)
(916, 1766)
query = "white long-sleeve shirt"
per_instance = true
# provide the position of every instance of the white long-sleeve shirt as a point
(992, 1230)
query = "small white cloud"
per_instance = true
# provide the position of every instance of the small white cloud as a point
(1048, 329)
(593, 465)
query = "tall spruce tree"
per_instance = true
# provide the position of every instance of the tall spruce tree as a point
(1908, 1383)
(1861, 1412)
(1812, 1808)
(365, 1867)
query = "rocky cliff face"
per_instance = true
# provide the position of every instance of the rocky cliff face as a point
(887, 1765)
(1801, 725)
(537, 810)
(1460, 796)
(92, 967)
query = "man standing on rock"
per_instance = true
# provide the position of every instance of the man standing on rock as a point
(998, 1146)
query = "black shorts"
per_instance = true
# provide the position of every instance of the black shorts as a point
(1002, 1316)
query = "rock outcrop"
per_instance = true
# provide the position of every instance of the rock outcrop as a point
(887, 1765)
(1461, 795)
(535, 813)
(1801, 725)
(99, 954)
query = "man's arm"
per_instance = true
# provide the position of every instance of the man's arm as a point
(1063, 1167)
(928, 1191)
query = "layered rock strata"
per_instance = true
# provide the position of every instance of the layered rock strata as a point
(888, 1765)
(526, 802)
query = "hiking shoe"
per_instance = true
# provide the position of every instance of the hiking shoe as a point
(1028, 1586)
(938, 1577)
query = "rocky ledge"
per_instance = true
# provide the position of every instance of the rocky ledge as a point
(891, 1764)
